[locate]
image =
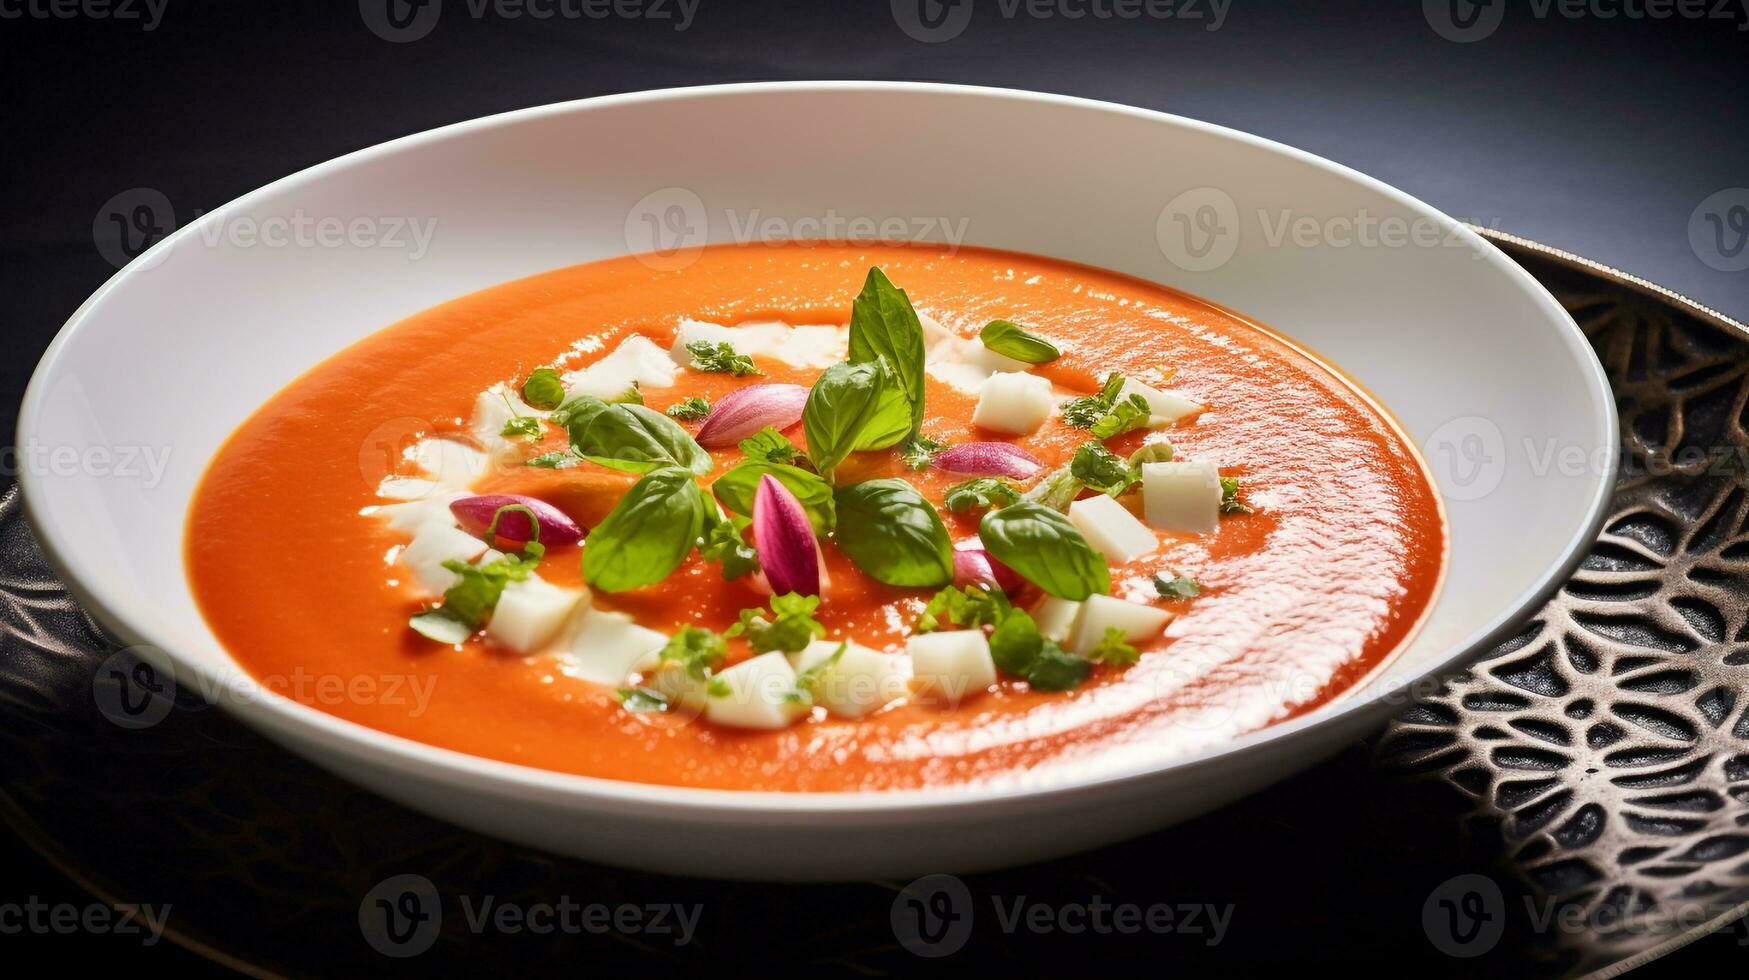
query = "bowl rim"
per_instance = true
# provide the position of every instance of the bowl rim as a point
(237, 693)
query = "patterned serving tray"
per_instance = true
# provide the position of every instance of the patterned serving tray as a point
(1578, 803)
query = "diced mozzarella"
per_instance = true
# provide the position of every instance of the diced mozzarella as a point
(755, 694)
(859, 682)
(405, 488)
(933, 331)
(449, 464)
(814, 346)
(1111, 529)
(1102, 612)
(412, 515)
(493, 409)
(607, 647)
(529, 614)
(682, 690)
(1013, 403)
(952, 665)
(1182, 496)
(432, 545)
(1056, 618)
(966, 364)
(1164, 407)
(636, 361)
(809, 346)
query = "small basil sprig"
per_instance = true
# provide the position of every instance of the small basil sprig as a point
(1018, 648)
(736, 488)
(853, 407)
(1011, 340)
(1046, 549)
(629, 437)
(648, 533)
(883, 326)
(893, 534)
(543, 389)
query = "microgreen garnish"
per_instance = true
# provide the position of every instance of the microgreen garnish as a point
(1114, 649)
(533, 546)
(556, 460)
(1011, 340)
(725, 542)
(690, 410)
(1230, 502)
(720, 358)
(809, 679)
(521, 427)
(476, 592)
(918, 451)
(791, 627)
(1020, 649)
(697, 651)
(1103, 470)
(1153, 452)
(977, 494)
(1177, 587)
(1107, 413)
(969, 607)
(769, 446)
(543, 389)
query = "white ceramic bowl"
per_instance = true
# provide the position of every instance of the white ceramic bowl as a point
(1478, 362)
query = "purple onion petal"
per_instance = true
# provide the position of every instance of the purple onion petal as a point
(988, 459)
(788, 551)
(556, 527)
(974, 566)
(744, 411)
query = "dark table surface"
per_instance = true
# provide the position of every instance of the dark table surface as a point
(1610, 136)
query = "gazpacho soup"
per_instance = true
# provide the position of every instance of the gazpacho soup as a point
(818, 517)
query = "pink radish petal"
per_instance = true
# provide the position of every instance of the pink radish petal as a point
(556, 527)
(744, 411)
(988, 459)
(974, 566)
(788, 551)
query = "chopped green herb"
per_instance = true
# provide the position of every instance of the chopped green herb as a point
(641, 700)
(1114, 649)
(1057, 490)
(1128, 414)
(716, 687)
(1056, 669)
(919, 451)
(977, 494)
(720, 358)
(698, 651)
(1230, 502)
(543, 389)
(1103, 470)
(556, 460)
(690, 410)
(1108, 413)
(1011, 340)
(770, 446)
(1018, 648)
(521, 427)
(970, 607)
(1153, 452)
(725, 542)
(466, 603)
(1177, 587)
(792, 627)
(810, 679)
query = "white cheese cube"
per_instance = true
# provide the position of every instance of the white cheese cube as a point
(755, 693)
(1111, 529)
(696, 331)
(1102, 612)
(814, 346)
(449, 464)
(951, 665)
(1182, 496)
(1164, 407)
(412, 515)
(973, 352)
(1014, 403)
(529, 614)
(1056, 618)
(859, 682)
(636, 361)
(405, 488)
(433, 544)
(684, 692)
(607, 647)
(933, 330)
(494, 409)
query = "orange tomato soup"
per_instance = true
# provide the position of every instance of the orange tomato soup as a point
(1300, 599)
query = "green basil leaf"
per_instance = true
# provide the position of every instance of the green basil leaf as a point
(648, 533)
(893, 534)
(1103, 470)
(1045, 549)
(853, 407)
(883, 326)
(769, 446)
(1011, 340)
(629, 437)
(1177, 587)
(1056, 669)
(735, 490)
(543, 389)
(981, 492)
(1018, 648)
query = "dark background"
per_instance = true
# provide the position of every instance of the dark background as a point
(1598, 135)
